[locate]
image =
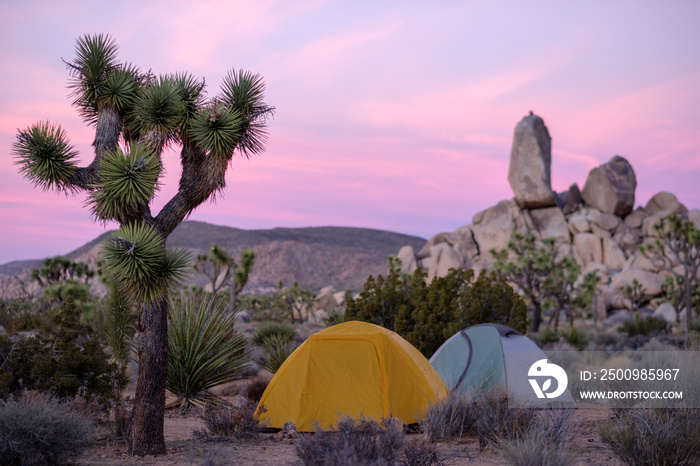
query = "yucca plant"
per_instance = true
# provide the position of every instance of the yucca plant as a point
(277, 349)
(136, 115)
(203, 352)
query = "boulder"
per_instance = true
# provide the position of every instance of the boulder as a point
(580, 224)
(529, 172)
(650, 222)
(408, 259)
(627, 238)
(493, 228)
(605, 221)
(443, 258)
(610, 187)
(694, 216)
(667, 312)
(613, 256)
(324, 299)
(589, 247)
(665, 201)
(550, 223)
(599, 232)
(635, 219)
(436, 239)
(573, 200)
(650, 281)
(465, 245)
(497, 212)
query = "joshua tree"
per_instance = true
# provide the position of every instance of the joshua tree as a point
(677, 251)
(222, 270)
(136, 116)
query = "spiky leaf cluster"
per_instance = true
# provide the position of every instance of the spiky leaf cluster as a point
(244, 92)
(45, 156)
(96, 58)
(217, 130)
(191, 92)
(203, 351)
(159, 111)
(140, 266)
(128, 181)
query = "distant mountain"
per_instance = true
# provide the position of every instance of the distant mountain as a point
(315, 257)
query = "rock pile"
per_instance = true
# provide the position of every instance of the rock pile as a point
(597, 226)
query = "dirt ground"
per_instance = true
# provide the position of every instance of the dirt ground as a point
(185, 448)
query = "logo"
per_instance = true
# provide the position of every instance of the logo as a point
(543, 368)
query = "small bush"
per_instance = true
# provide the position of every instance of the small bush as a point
(282, 332)
(254, 390)
(421, 454)
(360, 441)
(575, 337)
(38, 430)
(654, 436)
(232, 421)
(277, 350)
(648, 326)
(451, 417)
(548, 335)
(535, 449)
(495, 421)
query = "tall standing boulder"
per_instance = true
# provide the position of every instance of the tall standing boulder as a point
(529, 173)
(610, 187)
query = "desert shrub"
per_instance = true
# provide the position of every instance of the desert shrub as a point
(450, 417)
(654, 436)
(334, 317)
(535, 449)
(428, 314)
(548, 335)
(65, 358)
(283, 331)
(421, 454)
(643, 326)
(575, 337)
(232, 421)
(38, 430)
(495, 421)
(12, 309)
(254, 389)
(277, 350)
(355, 441)
(203, 351)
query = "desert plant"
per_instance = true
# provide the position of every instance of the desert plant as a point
(496, 422)
(222, 270)
(136, 115)
(63, 359)
(421, 454)
(277, 350)
(354, 441)
(548, 335)
(575, 337)
(535, 449)
(658, 436)
(283, 331)
(453, 416)
(204, 352)
(232, 421)
(676, 250)
(38, 430)
(643, 326)
(255, 388)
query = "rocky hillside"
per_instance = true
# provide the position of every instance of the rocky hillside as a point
(315, 257)
(598, 226)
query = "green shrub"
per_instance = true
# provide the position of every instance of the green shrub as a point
(63, 359)
(254, 389)
(648, 326)
(453, 416)
(654, 436)
(283, 331)
(277, 350)
(575, 337)
(354, 442)
(548, 335)
(428, 314)
(37, 430)
(203, 352)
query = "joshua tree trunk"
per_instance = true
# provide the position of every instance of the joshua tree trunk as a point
(147, 437)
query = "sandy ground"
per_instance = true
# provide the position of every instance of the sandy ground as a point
(184, 448)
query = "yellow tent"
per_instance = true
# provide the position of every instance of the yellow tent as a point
(353, 369)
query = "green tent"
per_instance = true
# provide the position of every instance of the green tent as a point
(485, 356)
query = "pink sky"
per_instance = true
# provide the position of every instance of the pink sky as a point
(390, 115)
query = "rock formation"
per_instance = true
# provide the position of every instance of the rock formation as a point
(596, 226)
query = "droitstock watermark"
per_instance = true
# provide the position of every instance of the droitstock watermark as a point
(603, 379)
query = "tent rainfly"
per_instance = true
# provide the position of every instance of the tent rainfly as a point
(351, 369)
